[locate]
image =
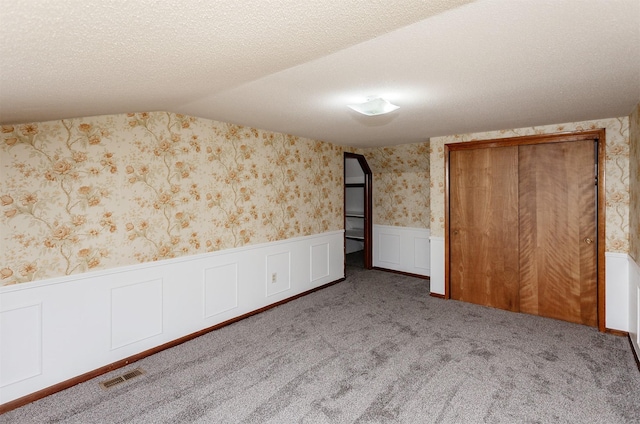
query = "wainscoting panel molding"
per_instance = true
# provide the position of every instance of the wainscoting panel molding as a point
(402, 249)
(58, 329)
(220, 289)
(139, 303)
(278, 273)
(388, 252)
(21, 347)
(319, 261)
(421, 255)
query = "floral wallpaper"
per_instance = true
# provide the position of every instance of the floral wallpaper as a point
(616, 172)
(400, 184)
(634, 184)
(101, 192)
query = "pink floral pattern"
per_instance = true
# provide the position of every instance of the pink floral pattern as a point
(109, 191)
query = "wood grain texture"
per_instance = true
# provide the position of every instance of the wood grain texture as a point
(530, 293)
(557, 209)
(483, 228)
(600, 137)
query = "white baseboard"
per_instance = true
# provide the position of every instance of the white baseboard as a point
(402, 249)
(57, 329)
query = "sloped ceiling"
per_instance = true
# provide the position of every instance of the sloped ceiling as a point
(292, 66)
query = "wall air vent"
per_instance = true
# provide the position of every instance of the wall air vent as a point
(121, 379)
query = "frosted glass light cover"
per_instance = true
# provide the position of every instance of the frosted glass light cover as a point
(375, 106)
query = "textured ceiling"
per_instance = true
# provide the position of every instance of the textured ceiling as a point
(292, 66)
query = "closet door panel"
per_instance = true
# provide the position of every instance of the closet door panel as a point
(483, 229)
(557, 219)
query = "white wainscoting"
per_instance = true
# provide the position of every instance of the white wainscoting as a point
(619, 283)
(140, 303)
(402, 249)
(634, 304)
(21, 347)
(436, 282)
(617, 291)
(57, 329)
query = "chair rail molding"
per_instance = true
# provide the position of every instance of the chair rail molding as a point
(57, 329)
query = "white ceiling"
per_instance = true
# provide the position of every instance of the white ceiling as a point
(291, 66)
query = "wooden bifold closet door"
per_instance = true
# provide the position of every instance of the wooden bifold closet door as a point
(522, 229)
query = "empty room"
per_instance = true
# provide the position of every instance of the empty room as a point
(320, 212)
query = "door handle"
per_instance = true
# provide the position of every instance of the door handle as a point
(588, 240)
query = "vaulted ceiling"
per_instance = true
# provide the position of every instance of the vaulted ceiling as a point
(292, 66)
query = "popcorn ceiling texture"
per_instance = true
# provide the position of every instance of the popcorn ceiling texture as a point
(616, 173)
(161, 55)
(109, 191)
(292, 66)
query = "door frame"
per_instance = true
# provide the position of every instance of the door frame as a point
(368, 202)
(596, 135)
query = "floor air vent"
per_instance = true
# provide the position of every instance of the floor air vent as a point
(121, 379)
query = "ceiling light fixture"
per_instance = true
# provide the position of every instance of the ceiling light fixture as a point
(374, 106)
